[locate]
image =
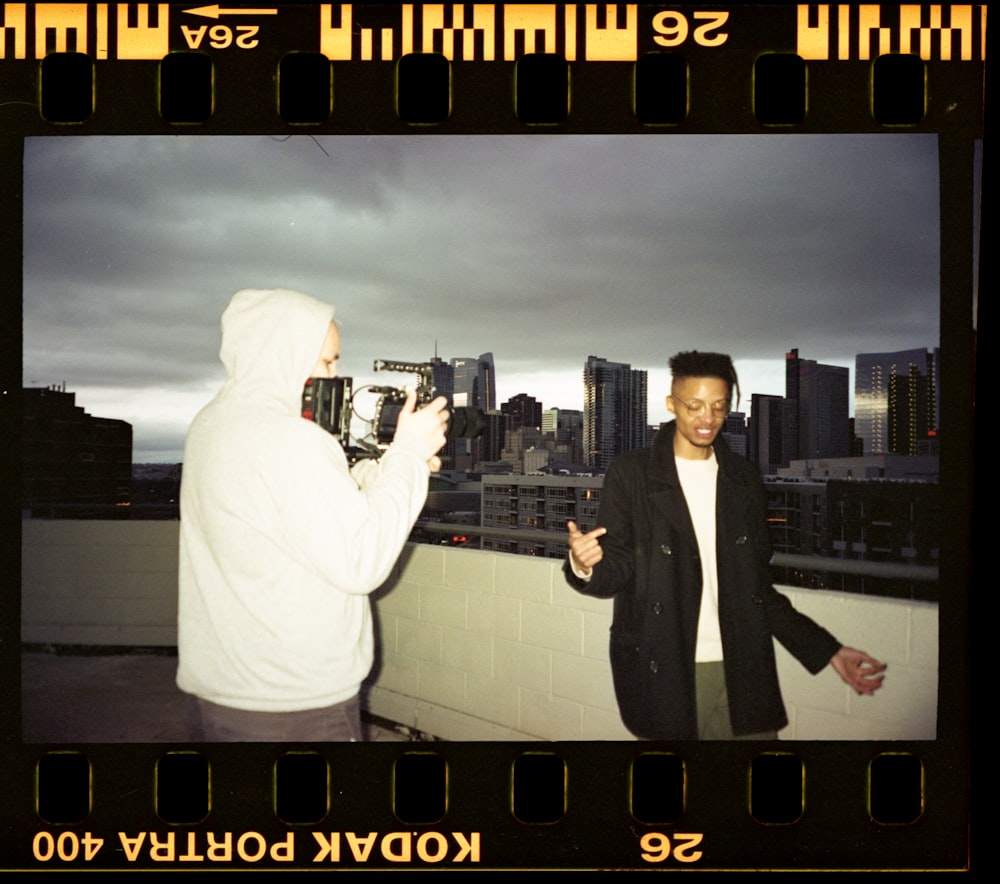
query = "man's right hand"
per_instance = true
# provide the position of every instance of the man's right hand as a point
(423, 429)
(585, 549)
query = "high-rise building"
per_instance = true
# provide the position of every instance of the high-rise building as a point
(465, 371)
(614, 410)
(73, 463)
(444, 377)
(486, 378)
(474, 386)
(897, 400)
(489, 446)
(734, 432)
(524, 450)
(770, 423)
(565, 426)
(475, 381)
(550, 421)
(819, 395)
(444, 385)
(522, 410)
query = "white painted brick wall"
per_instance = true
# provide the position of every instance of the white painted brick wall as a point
(477, 645)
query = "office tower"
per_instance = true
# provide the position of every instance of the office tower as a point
(770, 423)
(734, 432)
(464, 379)
(73, 462)
(897, 400)
(474, 386)
(561, 421)
(550, 421)
(819, 395)
(444, 385)
(486, 383)
(475, 382)
(444, 378)
(614, 411)
(522, 410)
(489, 446)
(565, 425)
(524, 450)
(857, 443)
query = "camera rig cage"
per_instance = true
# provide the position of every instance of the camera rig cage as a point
(329, 402)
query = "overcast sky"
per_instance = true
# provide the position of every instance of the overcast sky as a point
(543, 249)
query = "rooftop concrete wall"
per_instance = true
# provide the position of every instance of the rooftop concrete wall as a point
(476, 645)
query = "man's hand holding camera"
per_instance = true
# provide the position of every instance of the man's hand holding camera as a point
(424, 429)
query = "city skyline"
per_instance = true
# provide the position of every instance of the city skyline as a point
(744, 409)
(538, 249)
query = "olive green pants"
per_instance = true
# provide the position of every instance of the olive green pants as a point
(713, 706)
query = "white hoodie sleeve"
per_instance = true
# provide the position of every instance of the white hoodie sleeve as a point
(351, 532)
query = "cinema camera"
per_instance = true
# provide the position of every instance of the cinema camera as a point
(329, 402)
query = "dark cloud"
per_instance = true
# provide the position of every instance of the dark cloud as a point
(542, 249)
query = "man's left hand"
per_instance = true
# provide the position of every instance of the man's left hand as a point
(858, 671)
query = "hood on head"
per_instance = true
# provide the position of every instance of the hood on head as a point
(271, 339)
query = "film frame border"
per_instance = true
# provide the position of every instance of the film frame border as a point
(593, 833)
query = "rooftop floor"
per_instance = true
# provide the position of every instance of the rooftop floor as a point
(115, 698)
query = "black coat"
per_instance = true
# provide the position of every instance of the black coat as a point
(652, 570)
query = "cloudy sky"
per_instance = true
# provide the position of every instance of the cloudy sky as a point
(542, 249)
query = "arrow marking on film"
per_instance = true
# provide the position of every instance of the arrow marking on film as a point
(216, 11)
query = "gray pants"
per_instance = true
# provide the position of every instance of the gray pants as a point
(211, 723)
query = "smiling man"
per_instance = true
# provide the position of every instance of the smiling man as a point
(682, 546)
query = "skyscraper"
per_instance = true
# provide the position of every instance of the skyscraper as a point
(464, 386)
(734, 432)
(522, 410)
(614, 410)
(770, 424)
(444, 377)
(474, 386)
(896, 399)
(444, 385)
(489, 446)
(819, 395)
(486, 377)
(475, 382)
(565, 426)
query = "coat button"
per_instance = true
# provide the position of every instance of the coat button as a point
(741, 540)
(666, 550)
(657, 608)
(653, 667)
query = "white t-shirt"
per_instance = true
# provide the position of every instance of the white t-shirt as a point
(698, 480)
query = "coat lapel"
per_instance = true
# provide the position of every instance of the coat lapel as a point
(664, 487)
(730, 500)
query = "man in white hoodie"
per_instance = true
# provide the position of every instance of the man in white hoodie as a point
(281, 542)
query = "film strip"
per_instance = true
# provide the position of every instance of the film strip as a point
(654, 71)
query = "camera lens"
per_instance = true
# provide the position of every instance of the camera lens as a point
(465, 423)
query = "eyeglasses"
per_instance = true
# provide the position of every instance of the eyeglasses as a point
(696, 407)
